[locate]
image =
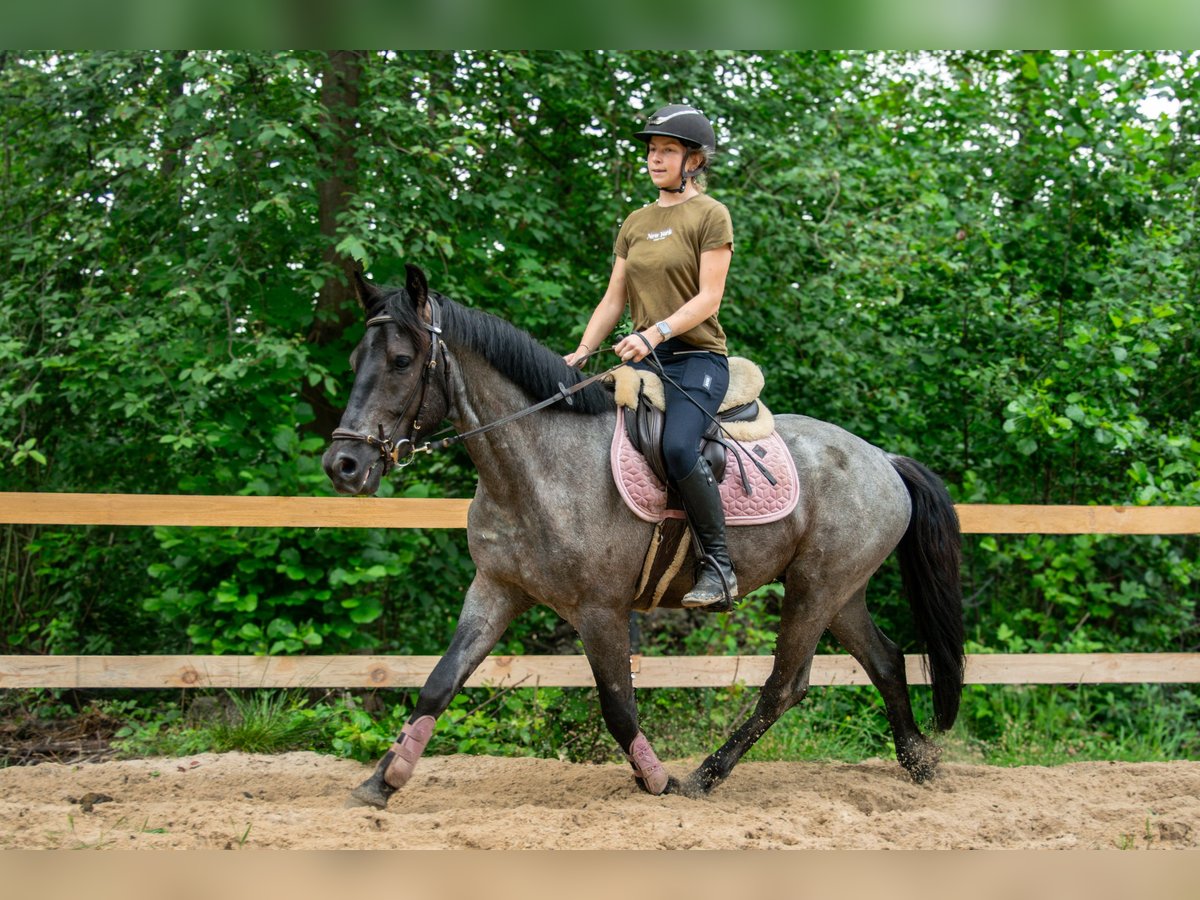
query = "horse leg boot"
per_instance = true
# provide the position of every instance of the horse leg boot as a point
(648, 772)
(716, 584)
(396, 767)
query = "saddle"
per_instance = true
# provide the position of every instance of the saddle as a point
(766, 490)
(741, 417)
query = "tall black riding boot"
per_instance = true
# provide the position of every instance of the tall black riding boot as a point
(715, 581)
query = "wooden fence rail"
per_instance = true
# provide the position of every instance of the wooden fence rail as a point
(530, 671)
(377, 512)
(560, 671)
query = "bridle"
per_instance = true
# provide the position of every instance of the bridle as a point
(399, 453)
(391, 450)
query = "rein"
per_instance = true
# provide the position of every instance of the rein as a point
(564, 393)
(399, 453)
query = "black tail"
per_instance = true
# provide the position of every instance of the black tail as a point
(929, 555)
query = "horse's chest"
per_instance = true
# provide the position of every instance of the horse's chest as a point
(531, 551)
(499, 539)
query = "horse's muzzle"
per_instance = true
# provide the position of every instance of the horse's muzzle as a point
(353, 467)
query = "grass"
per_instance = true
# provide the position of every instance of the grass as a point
(241, 841)
(998, 725)
(267, 722)
(261, 721)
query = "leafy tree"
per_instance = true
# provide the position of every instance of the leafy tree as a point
(987, 261)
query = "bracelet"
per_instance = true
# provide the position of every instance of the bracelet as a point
(584, 346)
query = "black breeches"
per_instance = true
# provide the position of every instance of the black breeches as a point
(702, 376)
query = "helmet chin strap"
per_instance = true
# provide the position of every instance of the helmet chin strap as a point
(684, 175)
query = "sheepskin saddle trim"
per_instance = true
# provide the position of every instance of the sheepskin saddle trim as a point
(745, 384)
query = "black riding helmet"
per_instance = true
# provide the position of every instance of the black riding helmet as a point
(687, 125)
(684, 123)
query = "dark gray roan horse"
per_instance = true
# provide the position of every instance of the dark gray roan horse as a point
(547, 525)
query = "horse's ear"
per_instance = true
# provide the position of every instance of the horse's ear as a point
(417, 286)
(368, 295)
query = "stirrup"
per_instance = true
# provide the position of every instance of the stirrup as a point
(729, 591)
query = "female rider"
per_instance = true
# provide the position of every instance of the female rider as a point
(672, 257)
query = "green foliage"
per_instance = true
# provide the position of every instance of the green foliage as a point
(985, 260)
(249, 722)
(267, 722)
(999, 725)
(150, 730)
(272, 591)
(1054, 724)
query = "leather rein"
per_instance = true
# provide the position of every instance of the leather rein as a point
(395, 453)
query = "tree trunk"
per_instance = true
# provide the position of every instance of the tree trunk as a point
(336, 307)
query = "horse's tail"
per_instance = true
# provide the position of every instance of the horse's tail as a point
(929, 555)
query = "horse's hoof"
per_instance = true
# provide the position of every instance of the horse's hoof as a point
(666, 789)
(922, 773)
(366, 795)
(374, 792)
(707, 776)
(360, 799)
(694, 787)
(920, 759)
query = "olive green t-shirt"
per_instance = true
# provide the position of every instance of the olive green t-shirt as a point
(661, 246)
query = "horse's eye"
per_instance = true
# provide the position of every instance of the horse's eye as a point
(402, 362)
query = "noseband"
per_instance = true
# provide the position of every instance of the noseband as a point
(391, 450)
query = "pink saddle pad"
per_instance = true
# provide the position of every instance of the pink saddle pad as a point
(646, 496)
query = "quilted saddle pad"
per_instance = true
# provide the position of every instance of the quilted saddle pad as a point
(646, 496)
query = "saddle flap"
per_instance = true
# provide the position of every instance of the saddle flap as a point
(747, 412)
(644, 429)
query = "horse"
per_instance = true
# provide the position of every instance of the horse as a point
(547, 526)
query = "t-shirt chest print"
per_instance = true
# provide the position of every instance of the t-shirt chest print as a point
(659, 235)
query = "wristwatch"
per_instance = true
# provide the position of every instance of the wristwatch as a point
(664, 329)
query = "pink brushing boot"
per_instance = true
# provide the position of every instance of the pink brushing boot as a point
(648, 771)
(396, 767)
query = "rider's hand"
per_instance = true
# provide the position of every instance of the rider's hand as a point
(576, 358)
(632, 348)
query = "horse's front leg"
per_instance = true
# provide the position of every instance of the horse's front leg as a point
(487, 611)
(605, 635)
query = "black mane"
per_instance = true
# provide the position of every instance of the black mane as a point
(532, 366)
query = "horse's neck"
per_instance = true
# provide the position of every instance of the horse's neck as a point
(529, 455)
(480, 394)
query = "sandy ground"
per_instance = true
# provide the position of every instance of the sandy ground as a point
(296, 800)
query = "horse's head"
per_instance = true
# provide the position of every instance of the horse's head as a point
(396, 394)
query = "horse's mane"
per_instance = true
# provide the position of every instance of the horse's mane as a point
(530, 365)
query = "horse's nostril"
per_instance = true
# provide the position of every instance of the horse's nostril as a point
(347, 466)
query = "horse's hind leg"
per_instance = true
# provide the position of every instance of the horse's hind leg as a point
(884, 663)
(801, 625)
(487, 610)
(605, 636)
